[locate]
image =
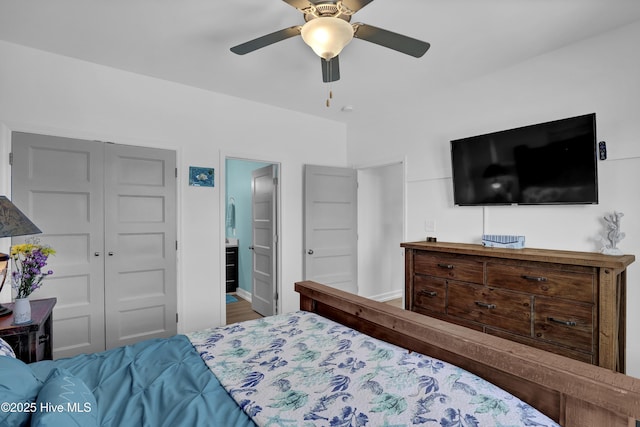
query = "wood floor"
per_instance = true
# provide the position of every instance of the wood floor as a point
(241, 310)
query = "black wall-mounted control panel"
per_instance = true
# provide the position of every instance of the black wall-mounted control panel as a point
(602, 150)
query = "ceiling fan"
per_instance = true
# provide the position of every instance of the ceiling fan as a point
(327, 30)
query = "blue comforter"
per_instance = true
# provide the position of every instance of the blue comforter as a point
(153, 383)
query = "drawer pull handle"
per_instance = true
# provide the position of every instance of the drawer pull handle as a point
(485, 305)
(447, 266)
(429, 294)
(43, 339)
(534, 278)
(563, 322)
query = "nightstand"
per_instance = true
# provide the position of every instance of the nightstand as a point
(31, 342)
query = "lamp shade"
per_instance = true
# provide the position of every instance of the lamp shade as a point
(327, 36)
(13, 222)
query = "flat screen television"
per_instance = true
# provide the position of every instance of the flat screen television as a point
(547, 163)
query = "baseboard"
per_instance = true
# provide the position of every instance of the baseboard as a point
(243, 294)
(387, 296)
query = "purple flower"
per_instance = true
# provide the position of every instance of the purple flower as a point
(29, 259)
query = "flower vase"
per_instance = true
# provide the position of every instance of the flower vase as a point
(22, 311)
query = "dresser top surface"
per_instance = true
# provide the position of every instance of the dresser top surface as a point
(588, 259)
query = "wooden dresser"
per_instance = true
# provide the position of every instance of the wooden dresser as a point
(569, 303)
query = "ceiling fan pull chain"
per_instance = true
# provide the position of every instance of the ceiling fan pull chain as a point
(330, 97)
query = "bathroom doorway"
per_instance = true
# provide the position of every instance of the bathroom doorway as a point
(253, 277)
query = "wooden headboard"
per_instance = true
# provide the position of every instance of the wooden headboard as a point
(573, 393)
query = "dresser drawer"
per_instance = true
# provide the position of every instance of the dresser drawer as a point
(564, 323)
(577, 286)
(429, 293)
(544, 345)
(503, 309)
(449, 267)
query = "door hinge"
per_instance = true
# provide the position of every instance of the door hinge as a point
(11, 159)
(275, 181)
(176, 172)
(176, 245)
(176, 317)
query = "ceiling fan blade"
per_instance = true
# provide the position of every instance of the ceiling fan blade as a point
(330, 70)
(298, 4)
(395, 41)
(263, 41)
(356, 5)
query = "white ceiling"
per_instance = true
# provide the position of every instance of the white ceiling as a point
(188, 41)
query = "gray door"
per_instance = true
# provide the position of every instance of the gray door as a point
(265, 238)
(109, 211)
(140, 244)
(58, 183)
(330, 226)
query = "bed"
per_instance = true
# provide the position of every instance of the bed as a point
(341, 360)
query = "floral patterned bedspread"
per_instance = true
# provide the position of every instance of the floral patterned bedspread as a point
(301, 369)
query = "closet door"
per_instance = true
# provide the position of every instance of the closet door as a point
(110, 212)
(140, 241)
(58, 183)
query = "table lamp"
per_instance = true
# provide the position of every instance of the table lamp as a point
(12, 223)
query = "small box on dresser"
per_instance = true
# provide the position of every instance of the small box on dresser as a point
(566, 302)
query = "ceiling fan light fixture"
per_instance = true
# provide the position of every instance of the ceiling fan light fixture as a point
(327, 36)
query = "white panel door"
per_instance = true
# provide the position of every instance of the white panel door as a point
(110, 212)
(140, 243)
(58, 183)
(265, 237)
(330, 224)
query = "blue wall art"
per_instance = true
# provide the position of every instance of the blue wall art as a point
(201, 177)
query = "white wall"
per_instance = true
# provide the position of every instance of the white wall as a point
(52, 94)
(598, 75)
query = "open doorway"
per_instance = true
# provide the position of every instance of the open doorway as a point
(251, 201)
(381, 229)
(354, 224)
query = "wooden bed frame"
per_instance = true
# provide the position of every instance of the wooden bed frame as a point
(573, 393)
